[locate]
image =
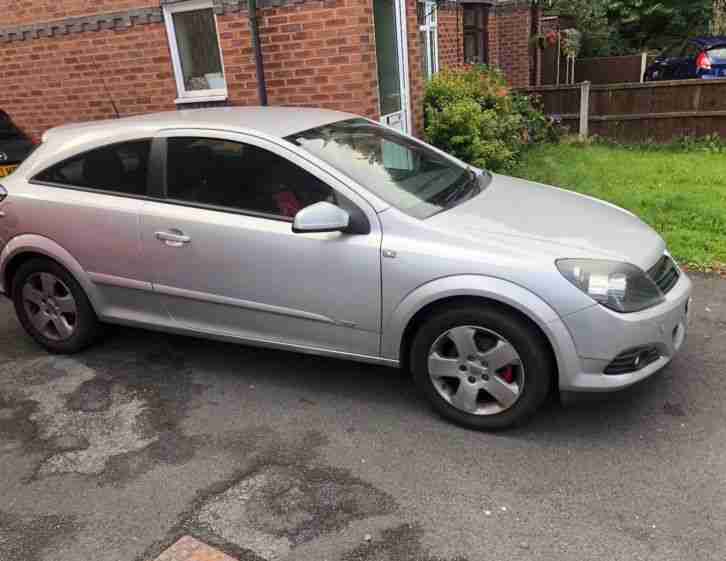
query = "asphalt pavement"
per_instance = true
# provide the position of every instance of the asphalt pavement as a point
(115, 453)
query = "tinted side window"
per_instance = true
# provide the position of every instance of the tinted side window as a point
(120, 168)
(239, 176)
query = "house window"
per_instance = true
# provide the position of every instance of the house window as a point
(194, 42)
(475, 34)
(426, 12)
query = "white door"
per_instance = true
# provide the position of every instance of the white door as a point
(391, 53)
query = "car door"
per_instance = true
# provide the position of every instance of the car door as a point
(224, 259)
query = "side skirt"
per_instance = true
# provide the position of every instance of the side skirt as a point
(266, 343)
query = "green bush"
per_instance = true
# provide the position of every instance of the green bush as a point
(472, 115)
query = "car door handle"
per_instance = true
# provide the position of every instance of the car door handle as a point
(173, 238)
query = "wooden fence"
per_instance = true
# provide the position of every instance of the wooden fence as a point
(601, 70)
(612, 70)
(660, 111)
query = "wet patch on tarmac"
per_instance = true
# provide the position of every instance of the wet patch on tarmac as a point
(16, 429)
(674, 409)
(168, 447)
(111, 414)
(277, 508)
(402, 543)
(26, 539)
(277, 500)
(91, 396)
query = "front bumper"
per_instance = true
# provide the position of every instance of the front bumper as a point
(599, 335)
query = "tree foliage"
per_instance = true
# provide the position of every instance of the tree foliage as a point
(718, 21)
(648, 24)
(627, 26)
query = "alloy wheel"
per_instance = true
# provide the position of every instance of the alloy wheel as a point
(50, 306)
(476, 370)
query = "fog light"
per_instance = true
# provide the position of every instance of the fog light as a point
(633, 360)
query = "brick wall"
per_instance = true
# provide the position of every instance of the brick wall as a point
(451, 36)
(415, 71)
(513, 53)
(316, 54)
(20, 12)
(492, 38)
(48, 82)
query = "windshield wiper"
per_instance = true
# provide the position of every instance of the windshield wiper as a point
(462, 192)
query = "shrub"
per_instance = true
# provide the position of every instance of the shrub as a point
(472, 114)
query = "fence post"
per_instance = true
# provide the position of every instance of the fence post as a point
(643, 65)
(584, 110)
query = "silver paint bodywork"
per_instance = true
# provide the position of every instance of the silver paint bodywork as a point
(238, 277)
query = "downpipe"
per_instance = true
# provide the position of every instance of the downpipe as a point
(259, 64)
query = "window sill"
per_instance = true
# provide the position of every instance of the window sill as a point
(201, 99)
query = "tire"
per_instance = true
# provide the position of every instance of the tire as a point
(521, 386)
(68, 323)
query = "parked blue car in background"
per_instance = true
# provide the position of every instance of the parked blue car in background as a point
(702, 57)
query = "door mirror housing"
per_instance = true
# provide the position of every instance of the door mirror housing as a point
(320, 217)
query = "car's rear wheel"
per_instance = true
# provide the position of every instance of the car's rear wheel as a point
(482, 367)
(53, 308)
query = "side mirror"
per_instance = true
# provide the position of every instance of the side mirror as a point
(320, 217)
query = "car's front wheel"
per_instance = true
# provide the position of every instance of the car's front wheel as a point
(482, 367)
(53, 308)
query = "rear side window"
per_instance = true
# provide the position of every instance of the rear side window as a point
(118, 168)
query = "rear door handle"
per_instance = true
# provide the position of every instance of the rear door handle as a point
(173, 238)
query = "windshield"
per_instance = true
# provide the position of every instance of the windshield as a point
(402, 172)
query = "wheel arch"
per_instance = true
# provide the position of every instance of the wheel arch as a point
(25, 247)
(489, 291)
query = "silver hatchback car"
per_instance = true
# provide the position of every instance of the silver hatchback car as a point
(327, 233)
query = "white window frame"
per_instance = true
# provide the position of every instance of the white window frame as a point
(194, 96)
(430, 25)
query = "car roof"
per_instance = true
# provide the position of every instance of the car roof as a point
(272, 121)
(707, 42)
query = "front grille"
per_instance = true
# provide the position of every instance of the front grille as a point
(633, 360)
(664, 274)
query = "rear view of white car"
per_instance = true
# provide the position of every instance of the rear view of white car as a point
(326, 233)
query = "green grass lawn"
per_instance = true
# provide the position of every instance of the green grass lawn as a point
(681, 194)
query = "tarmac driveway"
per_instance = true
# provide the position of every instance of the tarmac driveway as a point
(115, 453)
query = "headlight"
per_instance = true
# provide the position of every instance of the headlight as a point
(619, 286)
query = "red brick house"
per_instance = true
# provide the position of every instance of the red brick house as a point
(66, 60)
